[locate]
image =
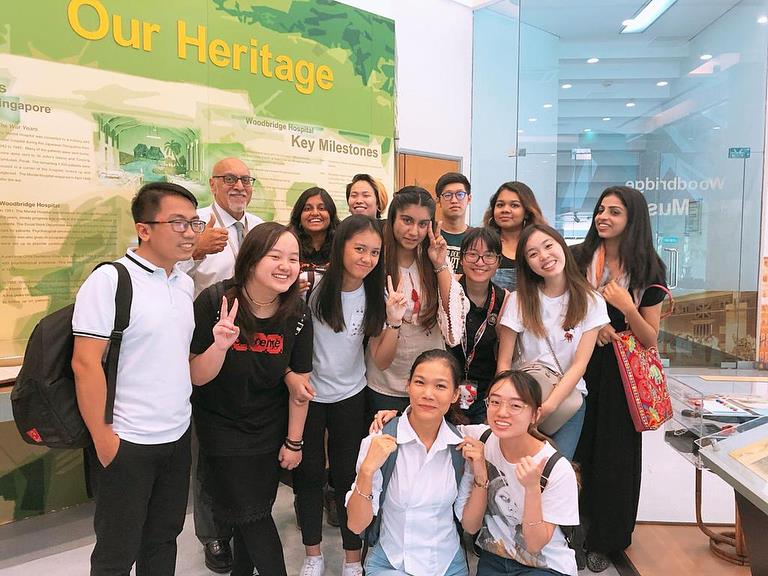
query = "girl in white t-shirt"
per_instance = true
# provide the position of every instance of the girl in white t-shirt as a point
(556, 316)
(347, 307)
(518, 523)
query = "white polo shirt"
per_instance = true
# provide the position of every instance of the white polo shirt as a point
(418, 534)
(153, 384)
(220, 266)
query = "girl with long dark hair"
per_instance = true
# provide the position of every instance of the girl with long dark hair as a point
(347, 307)
(619, 260)
(314, 221)
(556, 315)
(416, 262)
(511, 208)
(242, 371)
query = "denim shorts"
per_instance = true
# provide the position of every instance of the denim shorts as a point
(377, 564)
(492, 565)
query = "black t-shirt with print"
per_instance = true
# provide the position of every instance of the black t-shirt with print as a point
(506, 275)
(244, 409)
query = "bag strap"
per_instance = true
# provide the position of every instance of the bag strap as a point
(123, 299)
(552, 351)
(671, 300)
(373, 530)
(457, 459)
(544, 480)
(215, 294)
(485, 435)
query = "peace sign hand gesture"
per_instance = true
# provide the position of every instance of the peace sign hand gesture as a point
(438, 247)
(225, 332)
(396, 302)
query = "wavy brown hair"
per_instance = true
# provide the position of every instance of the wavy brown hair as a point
(533, 213)
(529, 283)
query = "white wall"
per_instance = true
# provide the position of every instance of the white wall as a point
(434, 74)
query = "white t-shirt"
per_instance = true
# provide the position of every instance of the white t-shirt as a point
(501, 533)
(338, 364)
(153, 383)
(564, 343)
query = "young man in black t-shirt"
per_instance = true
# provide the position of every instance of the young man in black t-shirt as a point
(454, 195)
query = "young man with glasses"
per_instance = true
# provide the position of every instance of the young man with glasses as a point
(227, 223)
(139, 464)
(454, 195)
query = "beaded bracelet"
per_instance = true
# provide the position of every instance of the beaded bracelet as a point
(441, 268)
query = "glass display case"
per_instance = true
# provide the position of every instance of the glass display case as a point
(710, 409)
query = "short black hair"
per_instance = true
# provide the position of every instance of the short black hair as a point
(146, 203)
(452, 178)
(487, 236)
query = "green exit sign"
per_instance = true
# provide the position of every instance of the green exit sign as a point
(744, 152)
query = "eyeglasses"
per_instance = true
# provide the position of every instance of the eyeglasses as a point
(460, 195)
(231, 179)
(514, 406)
(181, 226)
(487, 258)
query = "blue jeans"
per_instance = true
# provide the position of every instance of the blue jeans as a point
(568, 436)
(492, 565)
(377, 564)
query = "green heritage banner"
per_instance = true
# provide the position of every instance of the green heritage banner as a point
(100, 96)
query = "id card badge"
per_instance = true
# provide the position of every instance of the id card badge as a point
(467, 394)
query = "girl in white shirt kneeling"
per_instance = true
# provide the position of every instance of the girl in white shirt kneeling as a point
(417, 533)
(519, 524)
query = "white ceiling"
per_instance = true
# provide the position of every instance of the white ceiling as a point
(629, 67)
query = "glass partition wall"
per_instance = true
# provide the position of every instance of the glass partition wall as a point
(568, 103)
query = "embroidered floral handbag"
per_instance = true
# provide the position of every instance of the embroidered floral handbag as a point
(642, 374)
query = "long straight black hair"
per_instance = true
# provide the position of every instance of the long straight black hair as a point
(637, 253)
(326, 305)
(305, 241)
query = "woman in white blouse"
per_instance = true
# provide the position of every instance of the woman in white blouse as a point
(417, 532)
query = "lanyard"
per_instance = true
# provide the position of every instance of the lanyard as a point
(235, 249)
(479, 334)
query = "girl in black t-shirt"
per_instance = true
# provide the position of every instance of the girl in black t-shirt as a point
(510, 209)
(479, 257)
(620, 261)
(243, 363)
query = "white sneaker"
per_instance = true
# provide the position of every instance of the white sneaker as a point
(352, 569)
(313, 566)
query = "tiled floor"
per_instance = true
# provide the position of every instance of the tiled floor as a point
(60, 544)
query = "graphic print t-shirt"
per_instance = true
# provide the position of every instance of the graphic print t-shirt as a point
(244, 409)
(502, 530)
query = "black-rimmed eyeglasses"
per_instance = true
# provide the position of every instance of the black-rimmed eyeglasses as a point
(487, 258)
(231, 179)
(181, 226)
(460, 195)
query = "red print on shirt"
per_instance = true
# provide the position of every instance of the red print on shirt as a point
(269, 343)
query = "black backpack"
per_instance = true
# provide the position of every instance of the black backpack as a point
(43, 399)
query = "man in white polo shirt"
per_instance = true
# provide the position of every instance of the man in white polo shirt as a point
(214, 260)
(140, 464)
(227, 223)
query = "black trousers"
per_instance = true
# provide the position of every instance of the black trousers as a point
(141, 501)
(376, 401)
(206, 527)
(346, 425)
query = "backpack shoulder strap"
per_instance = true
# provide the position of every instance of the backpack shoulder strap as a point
(485, 435)
(548, 469)
(372, 532)
(457, 459)
(123, 299)
(215, 294)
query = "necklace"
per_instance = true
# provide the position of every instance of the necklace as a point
(259, 304)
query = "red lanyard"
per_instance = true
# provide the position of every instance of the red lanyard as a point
(478, 335)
